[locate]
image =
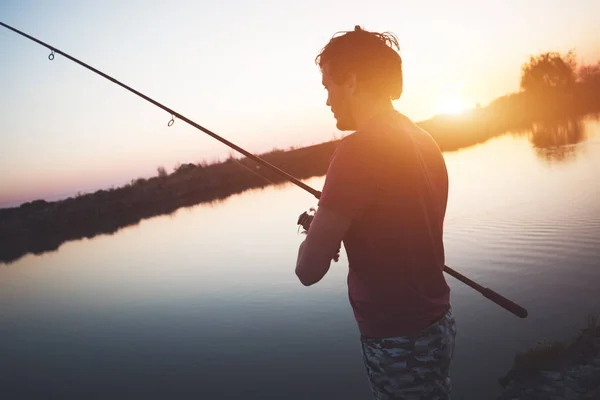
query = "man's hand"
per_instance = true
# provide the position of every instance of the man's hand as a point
(305, 219)
(322, 244)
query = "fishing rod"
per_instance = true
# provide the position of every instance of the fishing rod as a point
(486, 292)
(173, 113)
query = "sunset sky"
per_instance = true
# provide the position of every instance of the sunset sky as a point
(243, 69)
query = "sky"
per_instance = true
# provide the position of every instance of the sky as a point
(243, 69)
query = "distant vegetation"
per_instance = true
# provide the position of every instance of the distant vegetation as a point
(555, 93)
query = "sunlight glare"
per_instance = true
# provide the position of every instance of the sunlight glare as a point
(451, 105)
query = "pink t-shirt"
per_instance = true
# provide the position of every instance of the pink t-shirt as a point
(390, 178)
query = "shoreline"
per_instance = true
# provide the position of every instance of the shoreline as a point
(40, 226)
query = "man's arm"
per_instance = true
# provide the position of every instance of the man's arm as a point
(322, 243)
(348, 189)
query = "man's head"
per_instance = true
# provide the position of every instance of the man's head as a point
(360, 68)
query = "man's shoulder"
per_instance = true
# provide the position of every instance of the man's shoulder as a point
(389, 134)
(354, 146)
(348, 143)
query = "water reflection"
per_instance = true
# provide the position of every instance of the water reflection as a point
(554, 139)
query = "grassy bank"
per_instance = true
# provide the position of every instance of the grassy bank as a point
(557, 369)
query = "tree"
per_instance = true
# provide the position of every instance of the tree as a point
(589, 74)
(162, 172)
(549, 72)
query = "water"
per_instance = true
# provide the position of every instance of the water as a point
(204, 303)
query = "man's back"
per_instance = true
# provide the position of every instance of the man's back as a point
(385, 198)
(395, 244)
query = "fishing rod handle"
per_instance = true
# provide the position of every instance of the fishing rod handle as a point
(489, 293)
(504, 303)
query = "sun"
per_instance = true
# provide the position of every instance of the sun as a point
(451, 105)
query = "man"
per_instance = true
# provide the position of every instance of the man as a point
(385, 197)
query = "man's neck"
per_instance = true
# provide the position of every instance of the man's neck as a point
(370, 110)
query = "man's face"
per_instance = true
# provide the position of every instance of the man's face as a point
(339, 99)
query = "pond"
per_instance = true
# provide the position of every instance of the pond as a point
(204, 302)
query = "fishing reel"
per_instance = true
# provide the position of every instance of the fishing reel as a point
(305, 219)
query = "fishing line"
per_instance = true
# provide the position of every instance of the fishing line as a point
(253, 171)
(486, 292)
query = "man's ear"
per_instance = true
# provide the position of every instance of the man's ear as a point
(352, 84)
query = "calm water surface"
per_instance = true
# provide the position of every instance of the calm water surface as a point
(204, 303)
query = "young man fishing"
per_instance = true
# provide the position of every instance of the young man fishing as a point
(385, 197)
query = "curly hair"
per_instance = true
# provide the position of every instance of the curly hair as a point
(372, 56)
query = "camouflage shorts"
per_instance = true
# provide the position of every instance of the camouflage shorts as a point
(412, 367)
